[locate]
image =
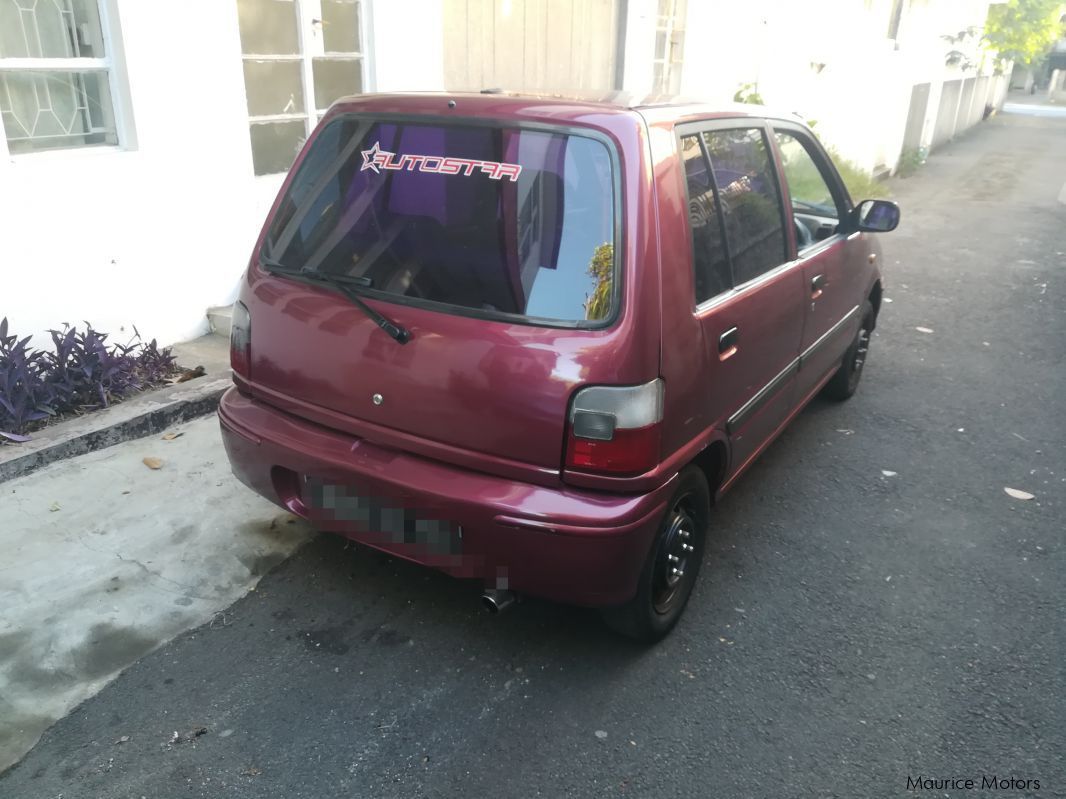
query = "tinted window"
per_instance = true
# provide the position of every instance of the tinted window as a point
(751, 205)
(813, 206)
(495, 219)
(709, 259)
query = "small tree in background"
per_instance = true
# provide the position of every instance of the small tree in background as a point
(1023, 30)
(601, 267)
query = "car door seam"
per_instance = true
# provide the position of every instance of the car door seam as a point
(761, 397)
(823, 339)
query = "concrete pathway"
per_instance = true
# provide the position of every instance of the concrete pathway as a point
(104, 559)
(1035, 110)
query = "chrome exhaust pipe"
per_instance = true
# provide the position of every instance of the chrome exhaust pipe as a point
(496, 600)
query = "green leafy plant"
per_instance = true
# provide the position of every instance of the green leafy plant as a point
(956, 57)
(1023, 30)
(910, 160)
(748, 93)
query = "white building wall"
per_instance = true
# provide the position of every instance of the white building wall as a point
(154, 234)
(831, 61)
(406, 52)
(148, 236)
(639, 47)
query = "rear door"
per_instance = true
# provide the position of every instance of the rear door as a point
(748, 295)
(833, 279)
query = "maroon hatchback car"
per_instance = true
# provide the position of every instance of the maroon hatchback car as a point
(531, 340)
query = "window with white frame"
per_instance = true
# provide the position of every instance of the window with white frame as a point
(669, 46)
(299, 56)
(56, 73)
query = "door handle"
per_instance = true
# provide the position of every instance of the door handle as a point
(818, 284)
(727, 343)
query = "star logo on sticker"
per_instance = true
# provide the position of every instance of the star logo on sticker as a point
(374, 158)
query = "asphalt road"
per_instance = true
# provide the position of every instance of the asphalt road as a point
(852, 628)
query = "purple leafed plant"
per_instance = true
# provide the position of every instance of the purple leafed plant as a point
(82, 373)
(155, 364)
(24, 396)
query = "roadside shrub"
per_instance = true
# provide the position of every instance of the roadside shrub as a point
(910, 160)
(81, 373)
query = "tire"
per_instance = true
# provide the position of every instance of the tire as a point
(662, 594)
(846, 380)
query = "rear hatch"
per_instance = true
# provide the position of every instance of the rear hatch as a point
(495, 247)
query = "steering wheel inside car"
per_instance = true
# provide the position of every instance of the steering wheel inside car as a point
(804, 239)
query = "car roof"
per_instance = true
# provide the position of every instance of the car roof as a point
(564, 103)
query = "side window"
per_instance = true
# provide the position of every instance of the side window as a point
(709, 260)
(750, 200)
(815, 209)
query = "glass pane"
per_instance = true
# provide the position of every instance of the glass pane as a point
(275, 145)
(50, 29)
(809, 190)
(268, 27)
(12, 43)
(709, 261)
(751, 206)
(53, 110)
(814, 210)
(336, 77)
(340, 26)
(273, 87)
(498, 220)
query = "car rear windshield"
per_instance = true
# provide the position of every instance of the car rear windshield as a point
(476, 219)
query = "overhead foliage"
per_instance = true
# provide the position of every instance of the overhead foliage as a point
(1023, 30)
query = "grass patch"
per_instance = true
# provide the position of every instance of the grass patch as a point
(861, 184)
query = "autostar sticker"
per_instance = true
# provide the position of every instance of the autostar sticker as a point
(376, 159)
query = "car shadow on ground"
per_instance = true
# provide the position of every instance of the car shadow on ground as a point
(381, 593)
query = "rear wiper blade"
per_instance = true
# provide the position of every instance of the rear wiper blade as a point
(345, 285)
(291, 271)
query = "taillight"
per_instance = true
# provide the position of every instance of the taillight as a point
(240, 340)
(615, 429)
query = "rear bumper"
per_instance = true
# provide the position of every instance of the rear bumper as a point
(565, 544)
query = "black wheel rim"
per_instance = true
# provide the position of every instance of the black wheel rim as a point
(858, 358)
(674, 563)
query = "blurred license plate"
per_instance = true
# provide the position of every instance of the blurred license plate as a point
(383, 518)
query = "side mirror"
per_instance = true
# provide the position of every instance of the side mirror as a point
(876, 216)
